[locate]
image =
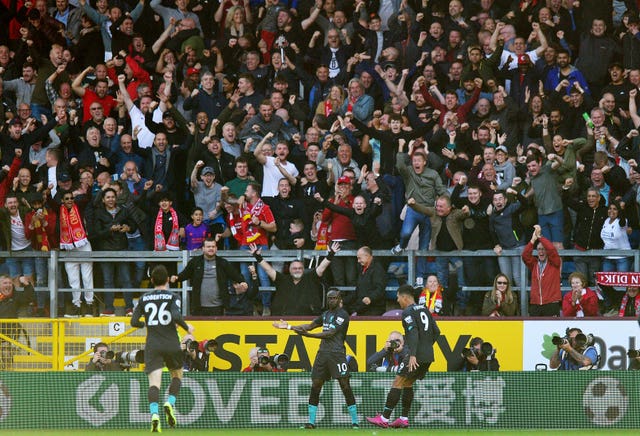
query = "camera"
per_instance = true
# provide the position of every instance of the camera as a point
(467, 352)
(107, 354)
(264, 360)
(558, 341)
(208, 345)
(487, 350)
(126, 358)
(632, 354)
(394, 344)
(580, 340)
(280, 361)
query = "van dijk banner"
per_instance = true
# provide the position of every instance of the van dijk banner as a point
(618, 279)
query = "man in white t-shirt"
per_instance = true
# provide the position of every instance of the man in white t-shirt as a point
(519, 47)
(276, 167)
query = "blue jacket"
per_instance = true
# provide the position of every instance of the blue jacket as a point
(553, 78)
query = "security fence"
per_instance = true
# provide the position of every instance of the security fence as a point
(57, 259)
(589, 400)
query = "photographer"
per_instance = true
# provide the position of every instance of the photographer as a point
(196, 354)
(480, 356)
(573, 352)
(261, 361)
(390, 357)
(103, 359)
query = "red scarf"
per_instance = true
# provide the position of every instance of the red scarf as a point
(623, 304)
(159, 243)
(40, 232)
(328, 108)
(250, 231)
(322, 239)
(72, 233)
(235, 226)
(432, 300)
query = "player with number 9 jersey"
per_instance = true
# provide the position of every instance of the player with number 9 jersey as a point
(421, 332)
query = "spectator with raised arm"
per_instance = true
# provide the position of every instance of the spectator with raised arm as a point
(545, 275)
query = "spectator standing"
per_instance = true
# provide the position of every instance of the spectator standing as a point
(111, 223)
(300, 292)
(257, 222)
(73, 237)
(342, 230)
(369, 296)
(591, 215)
(212, 278)
(545, 275)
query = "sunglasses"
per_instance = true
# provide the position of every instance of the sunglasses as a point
(502, 283)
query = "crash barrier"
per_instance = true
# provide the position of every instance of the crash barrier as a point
(402, 268)
(525, 400)
(32, 344)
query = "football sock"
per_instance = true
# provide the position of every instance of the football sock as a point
(312, 414)
(353, 412)
(154, 395)
(392, 399)
(174, 389)
(407, 399)
(172, 400)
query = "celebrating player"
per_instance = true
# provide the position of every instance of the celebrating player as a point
(331, 360)
(421, 332)
(162, 315)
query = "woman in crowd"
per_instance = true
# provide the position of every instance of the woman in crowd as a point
(431, 295)
(330, 106)
(581, 301)
(500, 301)
(614, 234)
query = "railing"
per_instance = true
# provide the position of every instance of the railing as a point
(181, 258)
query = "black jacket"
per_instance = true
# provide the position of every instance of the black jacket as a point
(371, 283)
(194, 271)
(101, 230)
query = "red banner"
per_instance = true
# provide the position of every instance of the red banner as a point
(618, 278)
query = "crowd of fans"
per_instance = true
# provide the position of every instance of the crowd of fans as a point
(130, 126)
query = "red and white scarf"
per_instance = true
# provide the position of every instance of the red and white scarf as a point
(623, 304)
(72, 232)
(159, 243)
(250, 231)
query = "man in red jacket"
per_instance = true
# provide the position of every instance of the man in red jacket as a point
(545, 270)
(342, 230)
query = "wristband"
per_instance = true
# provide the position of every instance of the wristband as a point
(289, 327)
(258, 257)
(331, 254)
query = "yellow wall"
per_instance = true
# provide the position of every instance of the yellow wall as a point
(236, 338)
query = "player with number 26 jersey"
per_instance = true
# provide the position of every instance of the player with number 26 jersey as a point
(161, 310)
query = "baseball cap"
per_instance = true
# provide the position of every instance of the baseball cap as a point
(501, 148)
(167, 114)
(523, 59)
(207, 170)
(64, 177)
(191, 71)
(343, 180)
(388, 64)
(14, 121)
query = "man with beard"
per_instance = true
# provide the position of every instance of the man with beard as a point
(274, 167)
(90, 97)
(300, 292)
(565, 71)
(210, 276)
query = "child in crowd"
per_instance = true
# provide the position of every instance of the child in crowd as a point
(197, 231)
